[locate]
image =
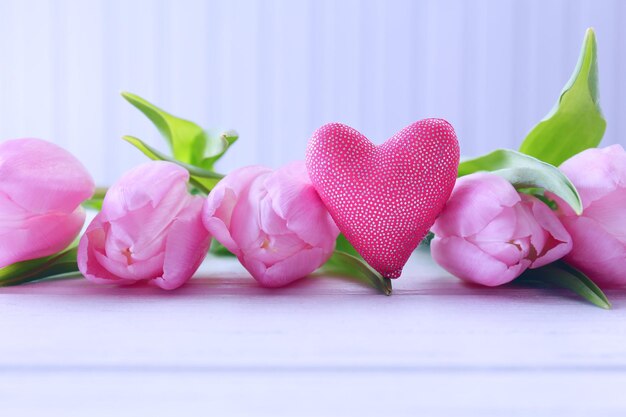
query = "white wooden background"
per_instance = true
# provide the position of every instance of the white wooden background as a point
(277, 69)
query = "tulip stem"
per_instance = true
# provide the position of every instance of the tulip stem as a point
(95, 202)
(199, 186)
(100, 193)
(60, 265)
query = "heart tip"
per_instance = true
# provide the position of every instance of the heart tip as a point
(393, 274)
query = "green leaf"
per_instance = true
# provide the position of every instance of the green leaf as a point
(561, 275)
(201, 178)
(343, 245)
(576, 122)
(218, 249)
(524, 171)
(61, 264)
(187, 140)
(95, 202)
(425, 243)
(344, 264)
(216, 148)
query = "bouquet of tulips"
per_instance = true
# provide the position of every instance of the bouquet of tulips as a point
(552, 213)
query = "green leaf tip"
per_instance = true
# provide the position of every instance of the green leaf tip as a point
(230, 136)
(217, 147)
(576, 122)
(525, 171)
(562, 275)
(586, 69)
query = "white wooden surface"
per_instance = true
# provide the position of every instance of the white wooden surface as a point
(223, 346)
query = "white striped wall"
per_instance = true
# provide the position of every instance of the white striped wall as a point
(276, 70)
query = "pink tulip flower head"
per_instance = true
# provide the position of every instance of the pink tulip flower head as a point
(489, 234)
(274, 221)
(599, 234)
(41, 189)
(150, 229)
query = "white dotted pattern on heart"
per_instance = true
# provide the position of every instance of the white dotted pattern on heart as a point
(384, 198)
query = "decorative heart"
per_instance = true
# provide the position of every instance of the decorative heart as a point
(384, 198)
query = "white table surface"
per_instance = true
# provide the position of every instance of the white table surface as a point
(223, 346)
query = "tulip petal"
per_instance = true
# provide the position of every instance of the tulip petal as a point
(133, 271)
(501, 228)
(137, 189)
(294, 199)
(245, 225)
(149, 228)
(121, 267)
(475, 201)
(92, 241)
(271, 221)
(144, 227)
(271, 249)
(528, 227)
(186, 246)
(42, 177)
(288, 270)
(468, 262)
(222, 202)
(509, 253)
(610, 212)
(597, 172)
(217, 212)
(12, 215)
(596, 252)
(39, 236)
(557, 242)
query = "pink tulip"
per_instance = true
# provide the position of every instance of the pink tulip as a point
(274, 221)
(489, 234)
(41, 189)
(599, 234)
(150, 229)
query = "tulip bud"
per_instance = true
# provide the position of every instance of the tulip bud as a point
(599, 234)
(150, 229)
(274, 221)
(41, 189)
(489, 234)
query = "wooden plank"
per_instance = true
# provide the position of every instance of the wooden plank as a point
(322, 346)
(224, 320)
(362, 394)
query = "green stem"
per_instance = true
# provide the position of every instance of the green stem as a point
(60, 264)
(199, 186)
(95, 202)
(157, 155)
(100, 193)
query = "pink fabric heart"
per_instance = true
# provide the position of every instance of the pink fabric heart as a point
(384, 198)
